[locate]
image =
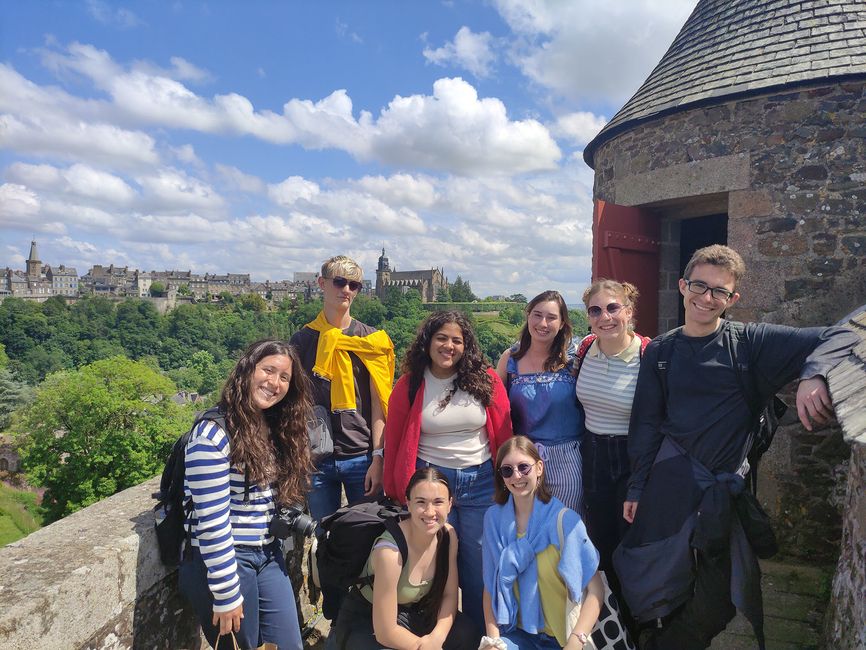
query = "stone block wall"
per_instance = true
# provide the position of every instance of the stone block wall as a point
(94, 581)
(790, 169)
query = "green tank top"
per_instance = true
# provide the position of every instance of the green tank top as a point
(407, 593)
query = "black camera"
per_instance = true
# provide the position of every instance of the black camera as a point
(289, 520)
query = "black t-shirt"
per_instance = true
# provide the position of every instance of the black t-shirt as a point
(706, 411)
(351, 429)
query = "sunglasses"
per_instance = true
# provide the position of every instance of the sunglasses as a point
(522, 469)
(341, 282)
(613, 309)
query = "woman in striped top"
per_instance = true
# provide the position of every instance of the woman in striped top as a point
(235, 575)
(607, 376)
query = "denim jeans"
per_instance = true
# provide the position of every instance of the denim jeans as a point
(472, 489)
(518, 639)
(269, 610)
(331, 476)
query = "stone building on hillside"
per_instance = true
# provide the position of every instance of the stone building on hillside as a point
(429, 283)
(750, 132)
(37, 282)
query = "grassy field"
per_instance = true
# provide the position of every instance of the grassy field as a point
(19, 514)
(499, 325)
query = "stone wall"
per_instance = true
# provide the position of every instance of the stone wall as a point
(789, 170)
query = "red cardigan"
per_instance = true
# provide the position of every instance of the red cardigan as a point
(403, 431)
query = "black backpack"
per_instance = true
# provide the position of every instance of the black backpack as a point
(765, 416)
(344, 545)
(170, 512)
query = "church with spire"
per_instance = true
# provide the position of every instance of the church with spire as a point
(429, 283)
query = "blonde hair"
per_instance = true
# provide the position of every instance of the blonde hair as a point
(721, 256)
(625, 290)
(342, 266)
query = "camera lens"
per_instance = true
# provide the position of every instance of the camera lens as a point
(304, 524)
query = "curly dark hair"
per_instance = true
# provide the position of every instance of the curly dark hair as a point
(558, 356)
(472, 375)
(278, 456)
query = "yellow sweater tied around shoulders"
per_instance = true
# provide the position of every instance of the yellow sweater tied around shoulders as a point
(376, 352)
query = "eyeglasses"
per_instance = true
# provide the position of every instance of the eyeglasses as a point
(341, 282)
(613, 309)
(700, 288)
(522, 469)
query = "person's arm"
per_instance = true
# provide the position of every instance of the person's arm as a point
(500, 429)
(207, 471)
(373, 479)
(491, 629)
(644, 433)
(502, 365)
(448, 608)
(387, 566)
(395, 427)
(781, 354)
(590, 610)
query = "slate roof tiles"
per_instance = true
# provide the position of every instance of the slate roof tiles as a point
(735, 47)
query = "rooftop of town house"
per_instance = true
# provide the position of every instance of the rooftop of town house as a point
(742, 47)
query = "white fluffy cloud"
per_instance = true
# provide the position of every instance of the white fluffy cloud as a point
(579, 127)
(468, 50)
(583, 49)
(79, 179)
(453, 130)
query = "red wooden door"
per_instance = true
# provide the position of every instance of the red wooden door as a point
(625, 247)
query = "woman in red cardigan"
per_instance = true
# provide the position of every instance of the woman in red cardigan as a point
(449, 410)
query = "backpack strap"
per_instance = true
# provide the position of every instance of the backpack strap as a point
(582, 349)
(666, 349)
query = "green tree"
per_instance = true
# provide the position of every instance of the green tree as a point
(461, 291)
(13, 395)
(92, 432)
(4, 360)
(251, 302)
(513, 314)
(370, 311)
(517, 297)
(579, 322)
(444, 295)
(492, 343)
(138, 325)
(184, 290)
(157, 290)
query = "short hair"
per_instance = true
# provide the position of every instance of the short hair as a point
(526, 446)
(342, 266)
(721, 256)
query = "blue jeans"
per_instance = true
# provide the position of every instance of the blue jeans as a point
(270, 615)
(517, 639)
(472, 489)
(332, 475)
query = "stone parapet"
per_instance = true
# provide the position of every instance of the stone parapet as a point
(93, 580)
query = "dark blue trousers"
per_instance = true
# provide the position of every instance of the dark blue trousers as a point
(270, 615)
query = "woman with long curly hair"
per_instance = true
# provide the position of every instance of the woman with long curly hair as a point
(540, 380)
(234, 573)
(449, 410)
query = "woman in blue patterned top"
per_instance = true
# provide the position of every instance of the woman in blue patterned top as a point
(235, 573)
(538, 376)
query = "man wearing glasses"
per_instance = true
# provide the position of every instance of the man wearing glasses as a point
(688, 439)
(351, 366)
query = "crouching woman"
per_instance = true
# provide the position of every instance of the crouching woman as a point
(410, 605)
(537, 558)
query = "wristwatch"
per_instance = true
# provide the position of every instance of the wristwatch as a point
(379, 452)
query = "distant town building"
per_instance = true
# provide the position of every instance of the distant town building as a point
(429, 283)
(38, 282)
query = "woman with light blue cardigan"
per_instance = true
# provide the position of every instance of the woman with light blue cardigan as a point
(537, 557)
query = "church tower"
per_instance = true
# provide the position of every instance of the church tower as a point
(34, 265)
(383, 275)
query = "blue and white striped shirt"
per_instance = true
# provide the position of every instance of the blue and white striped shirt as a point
(220, 517)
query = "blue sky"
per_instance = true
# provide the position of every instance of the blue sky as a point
(266, 136)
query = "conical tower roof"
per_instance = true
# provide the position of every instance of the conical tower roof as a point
(733, 48)
(34, 254)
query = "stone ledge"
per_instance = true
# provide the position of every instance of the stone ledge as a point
(93, 580)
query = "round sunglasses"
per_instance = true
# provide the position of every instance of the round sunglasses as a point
(612, 308)
(522, 469)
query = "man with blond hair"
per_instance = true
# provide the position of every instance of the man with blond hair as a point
(687, 562)
(351, 366)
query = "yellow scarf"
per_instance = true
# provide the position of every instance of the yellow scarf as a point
(334, 364)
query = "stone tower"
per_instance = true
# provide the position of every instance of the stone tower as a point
(34, 265)
(383, 275)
